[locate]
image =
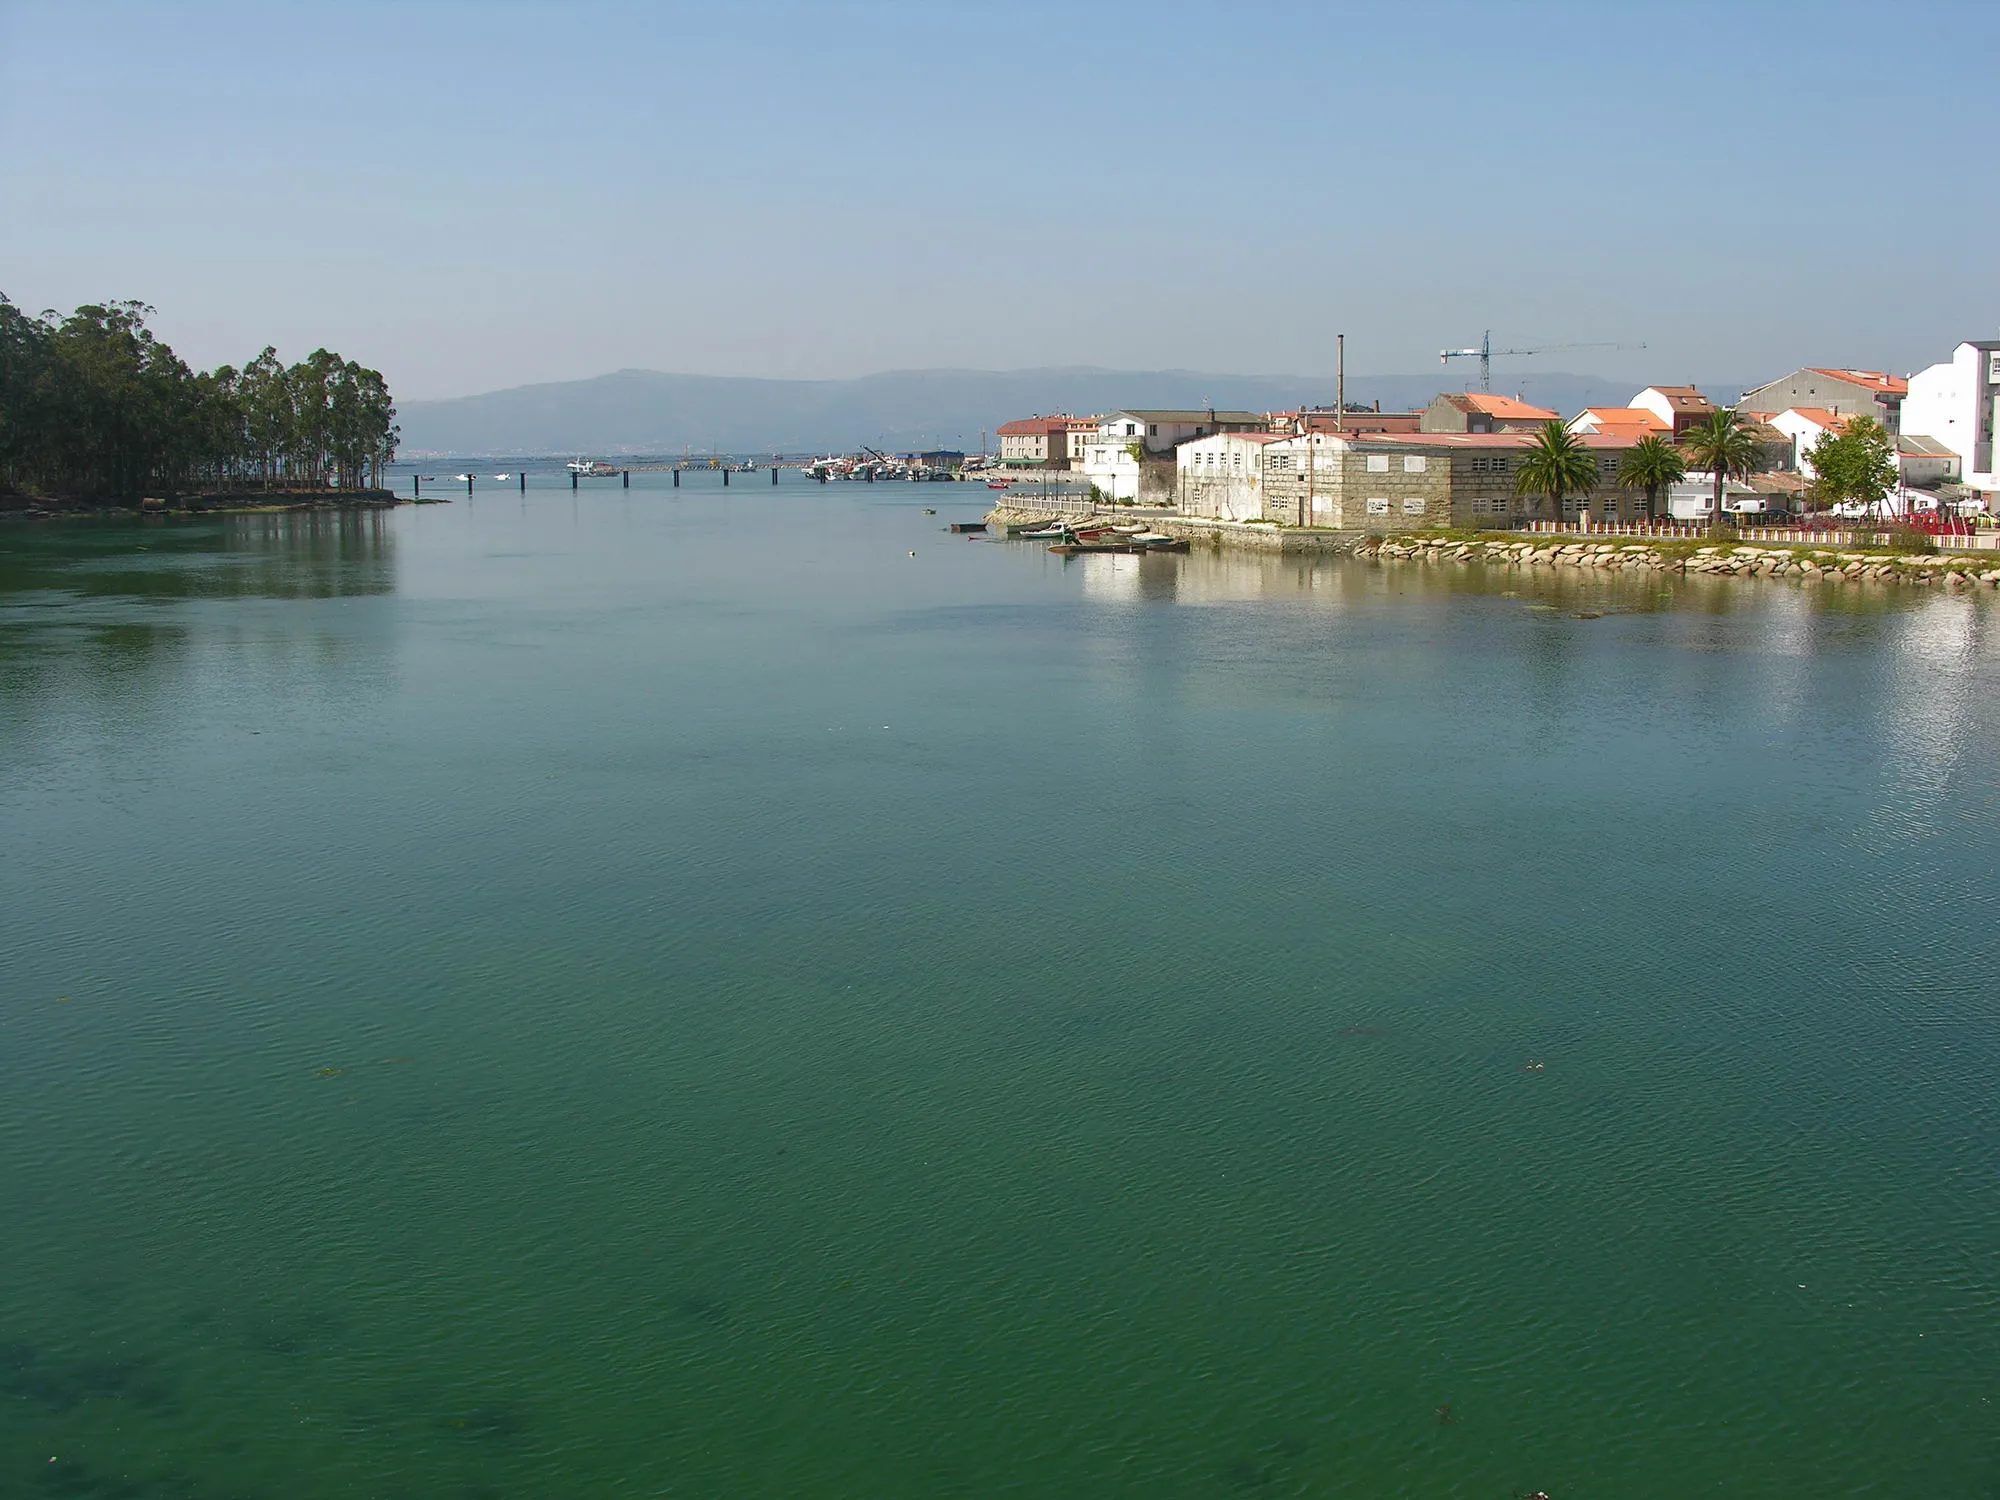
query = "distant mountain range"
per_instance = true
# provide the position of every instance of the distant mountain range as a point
(647, 411)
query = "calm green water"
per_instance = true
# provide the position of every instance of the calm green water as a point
(664, 993)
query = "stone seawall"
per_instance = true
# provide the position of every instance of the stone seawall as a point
(1255, 536)
(1826, 564)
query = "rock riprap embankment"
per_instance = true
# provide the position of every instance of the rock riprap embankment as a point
(1959, 571)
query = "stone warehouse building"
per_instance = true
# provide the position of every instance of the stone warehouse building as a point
(1396, 481)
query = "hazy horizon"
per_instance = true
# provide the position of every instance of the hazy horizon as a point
(476, 197)
(647, 411)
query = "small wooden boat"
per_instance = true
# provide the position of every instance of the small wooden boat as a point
(1154, 541)
(967, 528)
(1078, 549)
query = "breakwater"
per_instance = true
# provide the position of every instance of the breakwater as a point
(1256, 536)
(1743, 560)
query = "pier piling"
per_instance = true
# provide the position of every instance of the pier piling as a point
(523, 477)
(416, 486)
(774, 474)
(572, 479)
(725, 477)
(468, 486)
(626, 479)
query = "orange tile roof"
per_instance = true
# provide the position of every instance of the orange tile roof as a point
(1626, 416)
(1507, 408)
(1876, 380)
(1819, 416)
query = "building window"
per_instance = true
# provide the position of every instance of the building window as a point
(1153, 430)
(1378, 463)
(1413, 463)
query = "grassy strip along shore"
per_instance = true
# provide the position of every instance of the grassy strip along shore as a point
(1827, 564)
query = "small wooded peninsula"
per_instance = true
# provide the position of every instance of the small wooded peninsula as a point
(97, 410)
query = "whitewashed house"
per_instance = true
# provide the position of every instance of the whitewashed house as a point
(1111, 465)
(1954, 402)
(1679, 406)
(1222, 475)
(1112, 460)
(1160, 432)
(1804, 426)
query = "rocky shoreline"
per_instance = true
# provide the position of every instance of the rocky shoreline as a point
(277, 502)
(1720, 559)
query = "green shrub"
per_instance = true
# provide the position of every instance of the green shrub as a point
(1909, 539)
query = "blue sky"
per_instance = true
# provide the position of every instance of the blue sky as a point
(479, 195)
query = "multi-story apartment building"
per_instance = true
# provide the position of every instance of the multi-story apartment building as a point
(1954, 403)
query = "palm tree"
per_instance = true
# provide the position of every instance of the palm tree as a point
(1652, 464)
(1555, 465)
(1722, 445)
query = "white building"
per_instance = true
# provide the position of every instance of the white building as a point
(1679, 406)
(1805, 426)
(1111, 464)
(1953, 403)
(1112, 458)
(1222, 475)
(1160, 432)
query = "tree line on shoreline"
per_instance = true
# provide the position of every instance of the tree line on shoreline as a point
(94, 406)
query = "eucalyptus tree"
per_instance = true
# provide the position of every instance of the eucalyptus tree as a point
(1556, 465)
(1652, 464)
(1721, 444)
(94, 404)
(23, 360)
